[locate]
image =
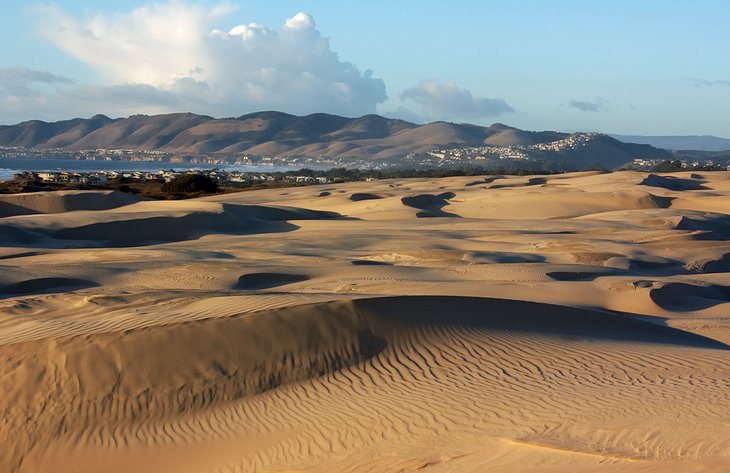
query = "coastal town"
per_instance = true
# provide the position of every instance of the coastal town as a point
(574, 152)
(154, 156)
(550, 155)
(162, 176)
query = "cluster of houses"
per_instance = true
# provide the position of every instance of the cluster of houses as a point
(222, 176)
(643, 164)
(574, 141)
(86, 155)
(468, 154)
(479, 154)
(94, 177)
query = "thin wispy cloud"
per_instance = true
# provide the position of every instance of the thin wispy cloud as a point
(19, 82)
(444, 99)
(23, 74)
(599, 104)
(710, 83)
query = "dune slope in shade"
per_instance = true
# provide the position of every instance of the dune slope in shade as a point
(57, 202)
(387, 384)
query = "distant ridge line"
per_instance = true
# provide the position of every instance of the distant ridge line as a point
(369, 138)
(679, 143)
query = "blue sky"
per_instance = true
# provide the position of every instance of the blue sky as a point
(633, 67)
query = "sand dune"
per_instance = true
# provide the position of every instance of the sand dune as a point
(220, 381)
(714, 265)
(359, 196)
(66, 201)
(8, 209)
(689, 297)
(45, 285)
(268, 280)
(674, 183)
(429, 204)
(149, 223)
(573, 322)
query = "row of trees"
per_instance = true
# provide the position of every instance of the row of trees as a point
(678, 166)
(345, 174)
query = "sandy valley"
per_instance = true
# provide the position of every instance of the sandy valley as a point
(575, 322)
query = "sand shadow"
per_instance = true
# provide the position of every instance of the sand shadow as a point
(430, 205)
(486, 180)
(360, 196)
(644, 264)
(708, 227)
(529, 317)
(45, 286)
(683, 297)
(580, 275)
(12, 236)
(719, 265)
(21, 255)
(672, 183)
(365, 262)
(156, 230)
(533, 181)
(661, 202)
(501, 257)
(10, 210)
(253, 281)
(235, 220)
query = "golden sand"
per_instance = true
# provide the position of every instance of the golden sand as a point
(576, 322)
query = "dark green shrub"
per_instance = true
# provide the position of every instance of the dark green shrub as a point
(188, 183)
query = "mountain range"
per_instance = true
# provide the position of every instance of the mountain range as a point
(369, 138)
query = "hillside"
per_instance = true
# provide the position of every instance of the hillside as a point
(319, 136)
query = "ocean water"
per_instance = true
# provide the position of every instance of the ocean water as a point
(6, 174)
(11, 166)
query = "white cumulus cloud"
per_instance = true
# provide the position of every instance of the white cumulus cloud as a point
(173, 55)
(444, 99)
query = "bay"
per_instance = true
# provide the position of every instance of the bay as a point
(12, 166)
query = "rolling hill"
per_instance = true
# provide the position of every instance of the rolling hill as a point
(319, 136)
